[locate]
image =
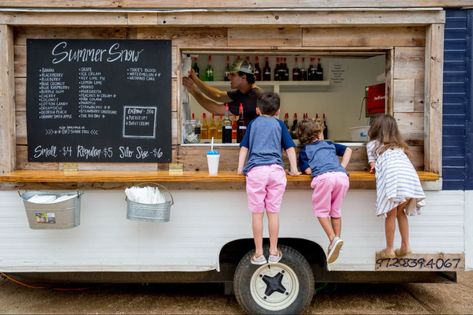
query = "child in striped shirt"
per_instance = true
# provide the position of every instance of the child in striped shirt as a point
(398, 189)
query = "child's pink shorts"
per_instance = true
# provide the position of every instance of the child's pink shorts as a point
(265, 186)
(329, 191)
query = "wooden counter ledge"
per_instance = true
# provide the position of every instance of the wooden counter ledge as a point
(43, 176)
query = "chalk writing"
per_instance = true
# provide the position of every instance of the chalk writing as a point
(60, 53)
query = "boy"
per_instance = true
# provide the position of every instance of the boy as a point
(264, 140)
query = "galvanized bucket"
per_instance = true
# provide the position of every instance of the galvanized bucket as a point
(159, 212)
(58, 215)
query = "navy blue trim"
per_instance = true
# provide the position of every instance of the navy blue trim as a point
(469, 109)
(457, 95)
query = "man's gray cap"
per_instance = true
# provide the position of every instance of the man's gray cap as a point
(242, 66)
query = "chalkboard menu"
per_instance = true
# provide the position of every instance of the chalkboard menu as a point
(99, 100)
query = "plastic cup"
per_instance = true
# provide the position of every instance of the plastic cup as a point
(213, 158)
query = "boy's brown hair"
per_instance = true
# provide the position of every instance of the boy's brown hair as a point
(268, 103)
(308, 130)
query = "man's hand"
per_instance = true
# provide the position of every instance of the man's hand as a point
(189, 85)
(192, 75)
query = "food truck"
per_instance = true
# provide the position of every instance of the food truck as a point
(92, 103)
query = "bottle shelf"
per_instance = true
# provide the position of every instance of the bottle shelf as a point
(281, 86)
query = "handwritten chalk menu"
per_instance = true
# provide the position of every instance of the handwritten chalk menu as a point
(99, 100)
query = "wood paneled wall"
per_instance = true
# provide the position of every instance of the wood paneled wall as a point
(404, 47)
(209, 4)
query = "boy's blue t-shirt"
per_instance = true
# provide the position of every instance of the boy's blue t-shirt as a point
(265, 138)
(321, 157)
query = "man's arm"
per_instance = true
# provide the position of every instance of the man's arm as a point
(209, 91)
(209, 105)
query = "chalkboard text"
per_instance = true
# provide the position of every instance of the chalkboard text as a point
(61, 53)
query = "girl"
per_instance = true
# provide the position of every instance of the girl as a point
(330, 180)
(398, 188)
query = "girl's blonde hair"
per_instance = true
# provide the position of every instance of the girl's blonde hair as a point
(384, 129)
(308, 130)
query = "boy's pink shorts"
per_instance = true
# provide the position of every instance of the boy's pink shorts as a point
(330, 190)
(265, 186)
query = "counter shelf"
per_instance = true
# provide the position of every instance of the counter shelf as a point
(49, 176)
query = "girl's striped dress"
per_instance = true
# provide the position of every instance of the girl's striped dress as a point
(396, 181)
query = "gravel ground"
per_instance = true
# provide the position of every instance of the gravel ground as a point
(209, 299)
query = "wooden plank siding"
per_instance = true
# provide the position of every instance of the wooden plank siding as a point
(210, 4)
(226, 18)
(433, 98)
(408, 96)
(7, 101)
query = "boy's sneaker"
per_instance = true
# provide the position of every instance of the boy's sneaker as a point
(334, 249)
(260, 260)
(274, 259)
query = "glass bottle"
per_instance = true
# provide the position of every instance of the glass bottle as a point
(212, 127)
(219, 128)
(234, 127)
(319, 72)
(311, 70)
(286, 120)
(227, 70)
(204, 129)
(296, 72)
(241, 124)
(285, 70)
(276, 70)
(257, 71)
(197, 127)
(209, 71)
(226, 127)
(195, 67)
(303, 70)
(266, 70)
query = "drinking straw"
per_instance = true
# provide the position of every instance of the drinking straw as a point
(212, 145)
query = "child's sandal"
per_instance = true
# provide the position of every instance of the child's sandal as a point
(384, 255)
(274, 259)
(399, 253)
(260, 260)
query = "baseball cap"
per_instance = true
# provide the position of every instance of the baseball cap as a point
(242, 66)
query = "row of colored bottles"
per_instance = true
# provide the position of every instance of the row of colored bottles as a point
(314, 72)
(224, 128)
(292, 128)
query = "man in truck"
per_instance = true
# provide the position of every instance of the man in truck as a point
(244, 91)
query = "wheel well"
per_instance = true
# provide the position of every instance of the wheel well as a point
(233, 251)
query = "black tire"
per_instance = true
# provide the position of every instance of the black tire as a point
(293, 272)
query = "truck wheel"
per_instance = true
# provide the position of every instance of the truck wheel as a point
(283, 288)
